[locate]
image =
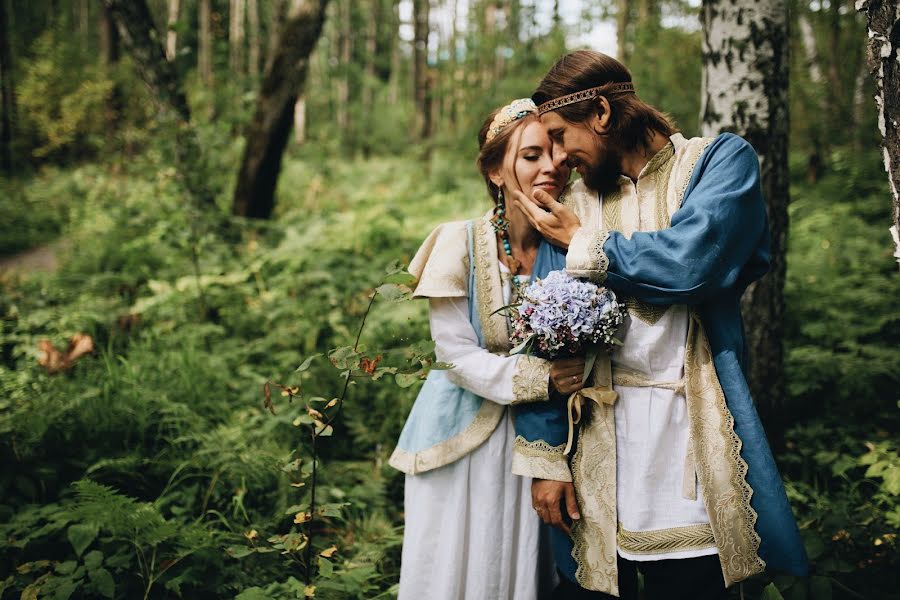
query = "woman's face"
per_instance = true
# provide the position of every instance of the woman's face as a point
(529, 163)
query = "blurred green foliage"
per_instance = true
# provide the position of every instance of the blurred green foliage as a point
(152, 469)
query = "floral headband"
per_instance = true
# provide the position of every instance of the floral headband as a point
(510, 113)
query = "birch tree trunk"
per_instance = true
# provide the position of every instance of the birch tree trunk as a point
(7, 114)
(807, 35)
(300, 120)
(269, 131)
(171, 34)
(204, 44)
(883, 24)
(139, 33)
(745, 87)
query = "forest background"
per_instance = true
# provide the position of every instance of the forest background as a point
(156, 278)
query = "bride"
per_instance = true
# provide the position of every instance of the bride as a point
(471, 532)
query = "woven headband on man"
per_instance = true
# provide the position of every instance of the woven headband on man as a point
(603, 90)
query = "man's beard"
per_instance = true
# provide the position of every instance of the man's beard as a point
(603, 177)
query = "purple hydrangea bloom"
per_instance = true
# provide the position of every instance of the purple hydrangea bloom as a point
(562, 316)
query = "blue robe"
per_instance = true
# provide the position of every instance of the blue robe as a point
(717, 244)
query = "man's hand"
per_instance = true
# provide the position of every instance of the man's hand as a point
(547, 498)
(556, 222)
(566, 373)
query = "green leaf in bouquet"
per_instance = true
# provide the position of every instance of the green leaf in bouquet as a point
(589, 359)
(524, 347)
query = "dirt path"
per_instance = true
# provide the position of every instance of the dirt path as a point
(42, 258)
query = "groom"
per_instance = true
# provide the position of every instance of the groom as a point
(675, 478)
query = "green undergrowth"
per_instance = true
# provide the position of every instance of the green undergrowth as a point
(152, 469)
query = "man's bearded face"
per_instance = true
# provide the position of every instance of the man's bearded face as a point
(603, 172)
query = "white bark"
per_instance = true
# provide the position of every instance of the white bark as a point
(300, 120)
(171, 34)
(883, 26)
(811, 49)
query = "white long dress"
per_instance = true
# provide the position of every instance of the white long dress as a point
(471, 532)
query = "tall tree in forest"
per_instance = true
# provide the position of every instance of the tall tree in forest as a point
(139, 33)
(236, 20)
(420, 65)
(172, 34)
(622, 22)
(204, 42)
(745, 86)
(270, 129)
(7, 91)
(883, 23)
(253, 39)
(109, 55)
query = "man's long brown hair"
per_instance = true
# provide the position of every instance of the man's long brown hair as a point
(632, 123)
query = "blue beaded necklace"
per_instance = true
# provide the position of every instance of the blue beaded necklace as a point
(501, 226)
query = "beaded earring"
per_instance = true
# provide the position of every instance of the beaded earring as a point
(498, 220)
(501, 225)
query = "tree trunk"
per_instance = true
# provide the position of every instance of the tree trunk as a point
(622, 30)
(745, 86)
(300, 120)
(394, 81)
(268, 133)
(7, 91)
(253, 38)
(204, 50)
(807, 35)
(368, 95)
(109, 52)
(236, 37)
(138, 31)
(84, 17)
(171, 34)
(420, 66)
(883, 24)
(342, 85)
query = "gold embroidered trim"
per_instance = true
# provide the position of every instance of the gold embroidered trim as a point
(488, 288)
(599, 255)
(540, 448)
(530, 380)
(720, 468)
(659, 541)
(594, 535)
(662, 175)
(685, 174)
(540, 460)
(454, 448)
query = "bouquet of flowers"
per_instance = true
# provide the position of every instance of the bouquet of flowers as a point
(562, 316)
